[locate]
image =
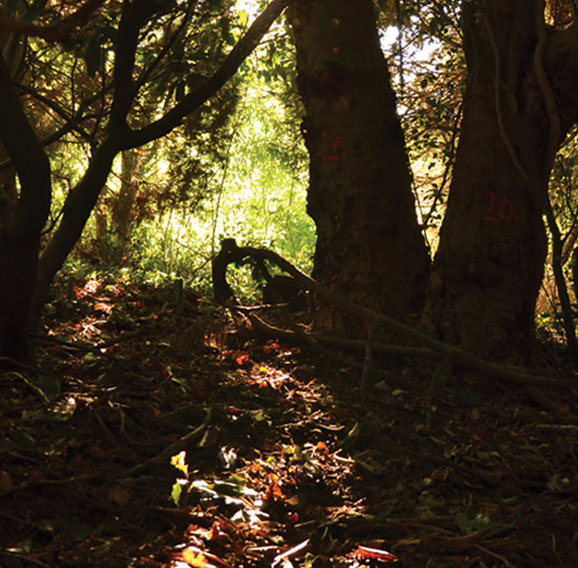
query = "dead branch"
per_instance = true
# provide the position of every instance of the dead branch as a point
(230, 252)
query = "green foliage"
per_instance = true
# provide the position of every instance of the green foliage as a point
(428, 77)
(237, 169)
(564, 179)
(562, 183)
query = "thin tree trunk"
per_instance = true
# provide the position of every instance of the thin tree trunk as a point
(76, 211)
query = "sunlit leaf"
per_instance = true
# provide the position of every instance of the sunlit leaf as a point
(63, 410)
(259, 415)
(103, 307)
(194, 558)
(179, 461)
(242, 359)
(364, 552)
(176, 492)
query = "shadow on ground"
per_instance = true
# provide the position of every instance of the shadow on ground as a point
(150, 439)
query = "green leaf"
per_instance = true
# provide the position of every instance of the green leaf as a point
(49, 385)
(259, 415)
(176, 493)
(89, 357)
(243, 17)
(479, 524)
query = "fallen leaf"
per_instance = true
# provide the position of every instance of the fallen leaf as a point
(242, 359)
(375, 554)
(119, 495)
(195, 559)
(6, 484)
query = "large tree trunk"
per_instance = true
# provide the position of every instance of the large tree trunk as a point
(489, 265)
(369, 246)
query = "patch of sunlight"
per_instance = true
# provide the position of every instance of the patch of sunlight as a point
(162, 166)
(251, 7)
(388, 39)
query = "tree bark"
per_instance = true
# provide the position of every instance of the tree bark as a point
(369, 246)
(21, 222)
(122, 207)
(489, 265)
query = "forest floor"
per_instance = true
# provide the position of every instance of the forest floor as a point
(147, 438)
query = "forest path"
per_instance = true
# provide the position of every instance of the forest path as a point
(275, 460)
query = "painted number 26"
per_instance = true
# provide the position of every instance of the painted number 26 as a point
(497, 209)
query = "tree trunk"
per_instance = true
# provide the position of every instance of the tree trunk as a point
(489, 265)
(21, 222)
(75, 213)
(369, 245)
(8, 177)
(18, 259)
(122, 208)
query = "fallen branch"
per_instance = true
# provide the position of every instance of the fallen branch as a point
(230, 253)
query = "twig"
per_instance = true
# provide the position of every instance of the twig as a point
(368, 362)
(170, 450)
(495, 555)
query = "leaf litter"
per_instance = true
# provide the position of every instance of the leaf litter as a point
(151, 438)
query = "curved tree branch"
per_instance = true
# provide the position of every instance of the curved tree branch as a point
(60, 32)
(196, 98)
(134, 17)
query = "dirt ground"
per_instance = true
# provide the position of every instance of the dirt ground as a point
(150, 436)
